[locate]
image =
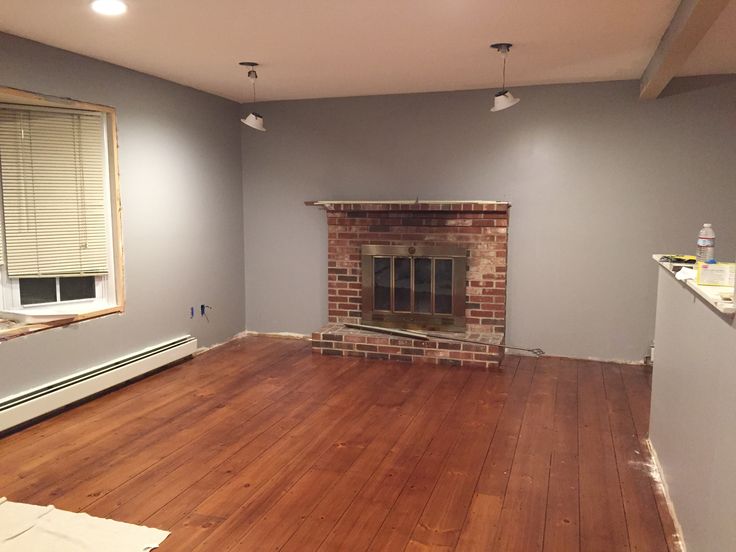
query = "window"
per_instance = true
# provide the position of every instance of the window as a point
(59, 248)
(39, 291)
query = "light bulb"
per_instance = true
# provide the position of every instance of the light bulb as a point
(109, 7)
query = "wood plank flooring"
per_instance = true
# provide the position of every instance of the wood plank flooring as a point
(260, 445)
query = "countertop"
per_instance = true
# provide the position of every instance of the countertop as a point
(713, 295)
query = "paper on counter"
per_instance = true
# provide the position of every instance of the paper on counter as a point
(686, 273)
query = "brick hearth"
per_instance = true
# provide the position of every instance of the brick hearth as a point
(336, 339)
(479, 226)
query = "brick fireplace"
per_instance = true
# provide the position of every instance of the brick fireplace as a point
(409, 249)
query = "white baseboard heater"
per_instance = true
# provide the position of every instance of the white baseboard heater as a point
(28, 405)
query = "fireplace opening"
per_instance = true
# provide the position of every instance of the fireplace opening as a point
(414, 287)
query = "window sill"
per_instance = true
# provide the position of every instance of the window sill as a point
(17, 323)
(52, 313)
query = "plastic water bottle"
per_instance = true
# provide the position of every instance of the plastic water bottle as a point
(706, 244)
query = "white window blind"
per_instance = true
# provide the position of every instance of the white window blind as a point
(52, 166)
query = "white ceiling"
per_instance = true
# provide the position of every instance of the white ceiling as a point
(329, 48)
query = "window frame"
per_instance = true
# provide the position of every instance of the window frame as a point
(110, 290)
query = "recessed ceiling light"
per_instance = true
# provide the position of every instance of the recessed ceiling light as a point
(109, 7)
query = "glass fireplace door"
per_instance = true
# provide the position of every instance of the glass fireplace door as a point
(419, 287)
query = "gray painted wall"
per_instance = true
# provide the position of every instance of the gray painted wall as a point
(598, 181)
(694, 414)
(181, 191)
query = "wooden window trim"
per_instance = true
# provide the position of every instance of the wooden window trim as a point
(23, 97)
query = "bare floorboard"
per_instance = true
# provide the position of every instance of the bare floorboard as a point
(261, 445)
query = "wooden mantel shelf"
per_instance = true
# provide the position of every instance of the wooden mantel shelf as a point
(410, 205)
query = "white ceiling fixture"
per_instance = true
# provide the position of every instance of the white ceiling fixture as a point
(326, 49)
(109, 7)
(503, 99)
(253, 120)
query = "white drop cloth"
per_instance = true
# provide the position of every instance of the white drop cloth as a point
(26, 528)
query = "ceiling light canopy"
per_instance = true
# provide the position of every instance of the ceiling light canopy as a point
(253, 119)
(109, 7)
(503, 99)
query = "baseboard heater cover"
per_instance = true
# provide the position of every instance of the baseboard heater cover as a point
(33, 403)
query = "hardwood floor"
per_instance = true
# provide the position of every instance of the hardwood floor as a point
(260, 445)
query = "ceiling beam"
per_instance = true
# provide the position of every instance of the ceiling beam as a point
(691, 21)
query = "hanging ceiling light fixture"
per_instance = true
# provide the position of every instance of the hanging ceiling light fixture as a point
(253, 120)
(503, 99)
